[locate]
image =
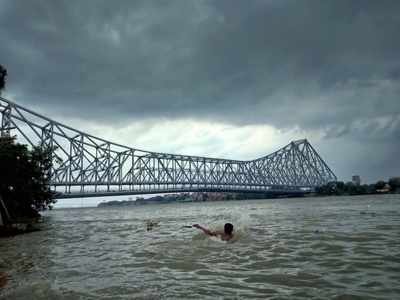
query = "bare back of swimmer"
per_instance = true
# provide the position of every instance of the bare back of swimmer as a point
(225, 235)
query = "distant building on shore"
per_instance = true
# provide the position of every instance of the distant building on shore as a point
(356, 179)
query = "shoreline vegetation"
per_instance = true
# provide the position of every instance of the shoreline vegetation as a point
(24, 186)
(24, 181)
(338, 188)
(185, 197)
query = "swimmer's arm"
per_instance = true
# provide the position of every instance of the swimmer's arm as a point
(205, 230)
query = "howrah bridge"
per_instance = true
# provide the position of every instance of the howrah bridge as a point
(88, 166)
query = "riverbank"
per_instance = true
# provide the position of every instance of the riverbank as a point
(190, 197)
(20, 226)
(215, 196)
(15, 229)
(340, 188)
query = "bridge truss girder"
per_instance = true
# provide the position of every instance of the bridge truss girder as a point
(87, 165)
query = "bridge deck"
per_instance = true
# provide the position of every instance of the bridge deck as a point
(146, 192)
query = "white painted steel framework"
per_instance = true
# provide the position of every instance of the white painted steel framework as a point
(85, 165)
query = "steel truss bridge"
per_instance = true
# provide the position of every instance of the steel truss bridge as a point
(85, 165)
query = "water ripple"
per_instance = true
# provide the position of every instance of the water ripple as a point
(322, 248)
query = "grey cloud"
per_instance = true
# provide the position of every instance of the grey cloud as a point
(324, 65)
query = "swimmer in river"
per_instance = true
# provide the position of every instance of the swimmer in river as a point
(225, 235)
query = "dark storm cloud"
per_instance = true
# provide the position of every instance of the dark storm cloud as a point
(319, 65)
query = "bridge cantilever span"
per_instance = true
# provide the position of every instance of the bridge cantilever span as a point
(85, 165)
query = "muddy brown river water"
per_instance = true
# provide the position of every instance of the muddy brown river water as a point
(299, 248)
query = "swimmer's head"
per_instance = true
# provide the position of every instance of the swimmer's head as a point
(228, 228)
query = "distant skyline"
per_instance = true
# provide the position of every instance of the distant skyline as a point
(215, 78)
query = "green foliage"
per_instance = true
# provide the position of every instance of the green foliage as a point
(3, 75)
(330, 188)
(380, 185)
(349, 188)
(24, 178)
(394, 183)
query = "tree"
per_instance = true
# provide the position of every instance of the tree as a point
(380, 185)
(394, 183)
(24, 178)
(340, 186)
(349, 188)
(3, 75)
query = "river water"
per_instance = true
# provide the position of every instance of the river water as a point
(299, 248)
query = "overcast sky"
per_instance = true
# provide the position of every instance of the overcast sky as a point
(234, 79)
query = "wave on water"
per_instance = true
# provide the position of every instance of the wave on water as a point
(281, 249)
